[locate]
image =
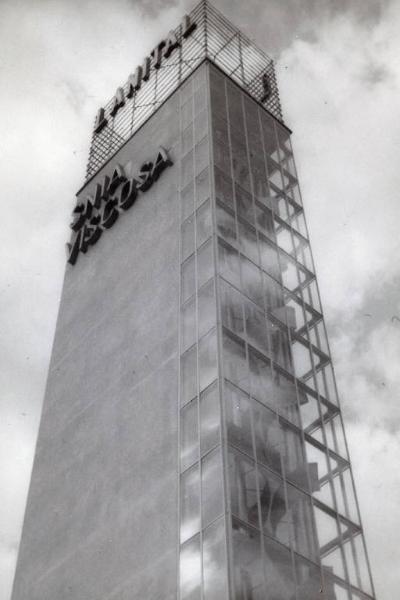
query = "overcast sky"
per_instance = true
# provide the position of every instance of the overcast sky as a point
(339, 75)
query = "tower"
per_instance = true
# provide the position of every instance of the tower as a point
(191, 444)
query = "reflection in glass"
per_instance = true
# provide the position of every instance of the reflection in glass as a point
(189, 375)
(206, 308)
(248, 242)
(202, 187)
(256, 329)
(187, 201)
(235, 367)
(248, 567)
(205, 263)
(261, 381)
(187, 169)
(210, 420)
(201, 155)
(231, 308)
(302, 532)
(273, 508)
(244, 204)
(212, 500)
(203, 223)
(223, 188)
(189, 435)
(308, 579)
(269, 258)
(188, 324)
(267, 437)
(294, 461)
(190, 503)
(279, 570)
(188, 278)
(207, 359)
(229, 263)
(251, 281)
(238, 419)
(187, 234)
(226, 224)
(190, 570)
(215, 585)
(243, 487)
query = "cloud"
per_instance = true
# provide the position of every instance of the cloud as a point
(339, 77)
(340, 90)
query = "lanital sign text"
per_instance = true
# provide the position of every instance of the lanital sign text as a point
(142, 74)
(112, 196)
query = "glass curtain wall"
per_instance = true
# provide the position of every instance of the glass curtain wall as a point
(294, 525)
(202, 537)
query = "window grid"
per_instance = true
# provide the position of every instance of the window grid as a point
(202, 520)
(288, 215)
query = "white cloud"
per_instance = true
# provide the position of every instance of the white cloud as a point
(340, 90)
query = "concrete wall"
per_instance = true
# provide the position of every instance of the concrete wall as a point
(101, 519)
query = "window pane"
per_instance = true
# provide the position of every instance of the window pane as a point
(226, 224)
(273, 293)
(264, 221)
(187, 201)
(187, 238)
(294, 461)
(231, 308)
(251, 281)
(188, 278)
(215, 585)
(269, 258)
(203, 223)
(235, 366)
(202, 187)
(256, 329)
(206, 308)
(189, 435)
(308, 579)
(201, 155)
(303, 535)
(229, 263)
(187, 169)
(207, 359)
(188, 332)
(189, 375)
(190, 503)
(261, 382)
(200, 126)
(187, 113)
(187, 139)
(238, 419)
(212, 498)
(190, 570)
(210, 419)
(244, 204)
(248, 242)
(223, 188)
(243, 487)
(205, 264)
(248, 567)
(285, 397)
(273, 506)
(280, 346)
(279, 571)
(267, 435)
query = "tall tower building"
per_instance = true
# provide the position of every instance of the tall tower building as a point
(191, 444)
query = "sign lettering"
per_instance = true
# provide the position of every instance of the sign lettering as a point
(114, 195)
(135, 81)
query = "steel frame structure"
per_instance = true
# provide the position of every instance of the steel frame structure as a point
(214, 39)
